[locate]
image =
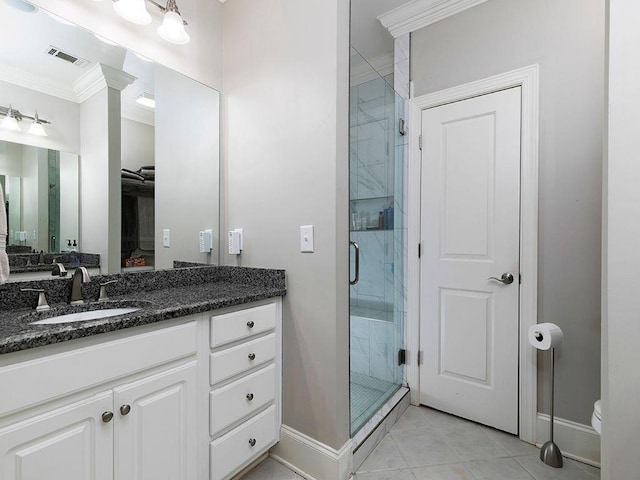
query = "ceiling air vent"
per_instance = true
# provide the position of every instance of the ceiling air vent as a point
(67, 57)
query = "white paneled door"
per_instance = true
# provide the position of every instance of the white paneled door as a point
(470, 215)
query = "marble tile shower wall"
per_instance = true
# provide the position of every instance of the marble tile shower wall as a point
(372, 188)
(373, 348)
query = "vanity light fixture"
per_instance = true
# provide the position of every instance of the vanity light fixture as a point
(147, 100)
(134, 11)
(172, 28)
(13, 116)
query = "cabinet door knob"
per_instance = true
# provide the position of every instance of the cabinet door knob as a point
(249, 396)
(252, 356)
(107, 416)
(125, 409)
(252, 442)
(250, 324)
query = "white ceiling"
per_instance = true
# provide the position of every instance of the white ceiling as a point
(26, 37)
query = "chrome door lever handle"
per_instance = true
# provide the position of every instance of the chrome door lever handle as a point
(505, 278)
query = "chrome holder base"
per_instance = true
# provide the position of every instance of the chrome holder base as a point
(551, 454)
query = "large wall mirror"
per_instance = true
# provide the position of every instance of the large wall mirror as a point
(131, 147)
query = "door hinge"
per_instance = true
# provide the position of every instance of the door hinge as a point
(419, 249)
(402, 357)
(419, 357)
(420, 142)
(520, 279)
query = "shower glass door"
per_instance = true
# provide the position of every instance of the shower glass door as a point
(376, 164)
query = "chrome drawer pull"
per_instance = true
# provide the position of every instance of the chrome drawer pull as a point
(125, 409)
(252, 356)
(107, 416)
(249, 396)
(252, 442)
(250, 324)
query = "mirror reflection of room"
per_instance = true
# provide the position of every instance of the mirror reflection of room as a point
(90, 95)
(137, 247)
(41, 198)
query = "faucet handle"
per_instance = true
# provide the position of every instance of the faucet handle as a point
(103, 290)
(42, 299)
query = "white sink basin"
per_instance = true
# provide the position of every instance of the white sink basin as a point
(87, 315)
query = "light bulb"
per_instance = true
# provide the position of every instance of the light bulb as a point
(172, 29)
(134, 11)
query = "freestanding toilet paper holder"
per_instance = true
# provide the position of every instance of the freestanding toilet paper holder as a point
(550, 452)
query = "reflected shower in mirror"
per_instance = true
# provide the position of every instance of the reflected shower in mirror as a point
(41, 190)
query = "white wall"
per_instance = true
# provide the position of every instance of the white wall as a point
(64, 131)
(566, 39)
(621, 255)
(285, 164)
(200, 59)
(69, 199)
(187, 159)
(138, 144)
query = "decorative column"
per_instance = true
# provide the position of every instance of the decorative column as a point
(100, 157)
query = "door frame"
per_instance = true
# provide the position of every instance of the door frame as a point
(528, 79)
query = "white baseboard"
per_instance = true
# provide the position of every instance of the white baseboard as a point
(575, 440)
(312, 459)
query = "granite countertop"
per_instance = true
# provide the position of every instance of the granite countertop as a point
(160, 296)
(28, 262)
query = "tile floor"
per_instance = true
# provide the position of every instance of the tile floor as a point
(429, 445)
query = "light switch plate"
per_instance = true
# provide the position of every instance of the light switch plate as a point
(306, 239)
(166, 238)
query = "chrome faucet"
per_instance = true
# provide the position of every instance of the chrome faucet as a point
(80, 276)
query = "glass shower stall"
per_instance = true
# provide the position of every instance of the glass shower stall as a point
(377, 235)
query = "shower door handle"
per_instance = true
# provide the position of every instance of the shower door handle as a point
(357, 265)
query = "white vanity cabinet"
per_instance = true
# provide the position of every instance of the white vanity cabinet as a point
(192, 398)
(245, 378)
(122, 409)
(69, 443)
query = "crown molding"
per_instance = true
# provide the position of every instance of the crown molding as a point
(363, 71)
(418, 14)
(38, 83)
(98, 77)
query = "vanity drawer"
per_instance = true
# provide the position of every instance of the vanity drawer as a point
(235, 401)
(233, 326)
(231, 452)
(232, 361)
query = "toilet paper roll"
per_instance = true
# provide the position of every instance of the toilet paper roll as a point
(544, 336)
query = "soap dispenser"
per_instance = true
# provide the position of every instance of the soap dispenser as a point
(69, 245)
(74, 248)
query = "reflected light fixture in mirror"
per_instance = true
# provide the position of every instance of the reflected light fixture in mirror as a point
(10, 122)
(12, 117)
(37, 128)
(146, 99)
(134, 11)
